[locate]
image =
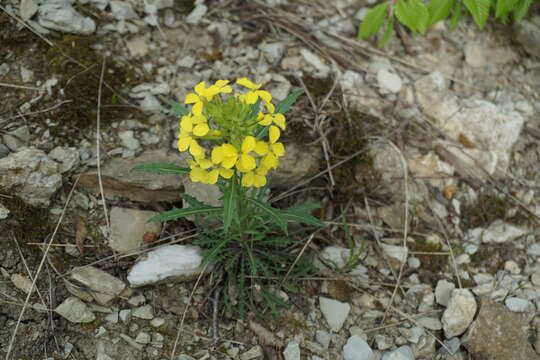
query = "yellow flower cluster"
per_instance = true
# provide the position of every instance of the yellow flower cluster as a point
(235, 131)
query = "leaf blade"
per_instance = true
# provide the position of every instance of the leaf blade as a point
(285, 105)
(479, 10)
(439, 10)
(274, 214)
(162, 168)
(179, 213)
(178, 108)
(373, 21)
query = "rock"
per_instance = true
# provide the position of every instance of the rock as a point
(122, 10)
(206, 193)
(4, 212)
(475, 54)
(397, 255)
(31, 175)
(496, 334)
(335, 312)
(112, 318)
(67, 157)
(255, 352)
(60, 15)
(119, 180)
(103, 287)
(131, 342)
(516, 304)
(314, 60)
(430, 323)
(137, 300)
(17, 138)
(336, 257)
(150, 103)
(388, 81)
(27, 75)
(499, 232)
(292, 351)
(144, 312)
(137, 46)
(75, 311)
(157, 322)
(459, 313)
(534, 249)
(168, 263)
(125, 315)
(443, 291)
(21, 282)
(291, 171)
(323, 338)
(357, 349)
(527, 33)
(535, 278)
(383, 342)
(128, 227)
(273, 51)
(196, 14)
(27, 9)
(512, 267)
(143, 338)
(401, 353)
(129, 141)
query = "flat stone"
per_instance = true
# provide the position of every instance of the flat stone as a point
(17, 138)
(21, 282)
(291, 171)
(103, 287)
(314, 60)
(496, 334)
(527, 33)
(443, 291)
(75, 311)
(430, 323)
(335, 312)
(389, 81)
(4, 212)
(122, 10)
(255, 352)
(168, 263)
(516, 304)
(292, 351)
(60, 15)
(128, 227)
(27, 9)
(143, 338)
(500, 232)
(357, 348)
(144, 312)
(138, 46)
(67, 157)
(459, 314)
(196, 14)
(119, 180)
(401, 353)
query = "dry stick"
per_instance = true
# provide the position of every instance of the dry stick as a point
(297, 258)
(27, 26)
(98, 153)
(186, 309)
(22, 87)
(41, 111)
(405, 225)
(21, 314)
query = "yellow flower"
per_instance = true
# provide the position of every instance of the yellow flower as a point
(226, 155)
(199, 172)
(189, 126)
(268, 119)
(247, 162)
(251, 97)
(204, 93)
(255, 178)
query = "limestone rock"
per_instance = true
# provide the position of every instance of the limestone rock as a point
(75, 311)
(128, 227)
(335, 312)
(103, 287)
(298, 164)
(459, 313)
(60, 15)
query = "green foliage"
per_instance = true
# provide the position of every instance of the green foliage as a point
(162, 168)
(285, 105)
(419, 15)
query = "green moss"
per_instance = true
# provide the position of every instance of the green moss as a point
(435, 263)
(92, 326)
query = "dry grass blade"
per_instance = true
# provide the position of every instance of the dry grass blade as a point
(98, 150)
(80, 235)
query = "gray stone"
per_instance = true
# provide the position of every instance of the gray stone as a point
(397, 255)
(168, 263)
(137, 300)
(430, 323)
(196, 14)
(335, 312)
(144, 312)
(103, 287)
(459, 314)
(112, 318)
(17, 138)
(383, 342)
(496, 334)
(497, 232)
(273, 51)
(31, 175)
(131, 342)
(389, 81)
(125, 315)
(292, 351)
(534, 249)
(443, 291)
(401, 353)
(60, 15)
(27, 9)
(21, 282)
(255, 352)
(75, 311)
(527, 33)
(129, 141)
(68, 157)
(516, 304)
(291, 171)
(119, 180)
(4, 212)
(143, 338)
(357, 349)
(128, 227)
(122, 10)
(314, 60)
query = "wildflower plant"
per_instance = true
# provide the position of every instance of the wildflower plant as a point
(233, 141)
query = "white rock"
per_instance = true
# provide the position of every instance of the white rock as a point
(143, 338)
(27, 9)
(273, 51)
(137, 46)
(157, 322)
(443, 291)
(335, 256)
(144, 312)
(335, 312)
(389, 81)
(173, 262)
(75, 311)
(383, 342)
(292, 351)
(122, 10)
(150, 103)
(67, 157)
(401, 353)
(501, 232)
(323, 338)
(112, 318)
(137, 300)
(459, 314)
(255, 352)
(398, 253)
(475, 54)
(4, 212)
(125, 315)
(60, 15)
(519, 305)
(129, 141)
(103, 287)
(357, 349)
(21, 282)
(196, 14)
(430, 323)
(534, 249)
(131, 342)
(316, 62)
(128, 227)
(512, 267)
(535, 278)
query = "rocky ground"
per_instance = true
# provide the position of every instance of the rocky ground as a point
(428, 150)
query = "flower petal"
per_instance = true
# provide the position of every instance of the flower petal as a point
(212, 176)
(247, 179)
(191, 98)
(279, 120)
(186, 124)
(195, 149)
(273, 134)
(217, 154)
(197, 108)
(248, 162)
(205, 163)
(251, 97)
(200, 88)
(247, 83)
(270, 161)
(267, 120)
(265, 95)
(226, 173)
(248, 144)
(259, 181)
(201, 129)
(270, 107)
(278, 149)
(183, 143)
(261, 148)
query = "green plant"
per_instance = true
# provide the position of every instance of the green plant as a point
(251, 246)
(418, 16)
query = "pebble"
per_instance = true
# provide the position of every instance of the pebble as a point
(27, 9)
(459, 314)
(144, 312)
(157, 322)
(518, 305)
(443, 291)
(61, 16)
(125, 315)
(292, 351)
(137, 300)
(67, 157)
(131, 342)
(535, 278)
(112, 318)
(21, 282)
(397, 254)
(143, 338)
(196, 14)
(335, 312)
(401, 353)
(128, 227)
(383, 342)
(534, 249)
(129, 141)
(75, 311)
(122, 10)
(323, 338)
(388, 81)
(430, 323)
(253, 353)
(315, 61)
(103, 287)
(512, 267)
(4, 212)
(357, 348)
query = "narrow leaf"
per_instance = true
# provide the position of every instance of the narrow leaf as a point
(504, 7)
(304, 207)
(373, 21)
(178, 108)
(406, 15)
(162, 168)
(272, 213)
(229, 204)
(301, 217)
(454, 21)
(422, 15)
(387, 33)
(479, 10)
(210, 256)
(521, 9)
(179, 213)
(285, 105)
(439, 10)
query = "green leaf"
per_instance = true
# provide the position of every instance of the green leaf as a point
(373, 21)
(272, 213)
(210, 256)
(229, 204)
(439, 10)
(522, 9)
(304, 207)
(504, 7)
(387, 33)
(454, 21)
(179, 213)
(178, 108)
(192, 201)
(255, 109)
(162, 168)
(285, 105)
(413, 14)
(479, 10)
(301, 217)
